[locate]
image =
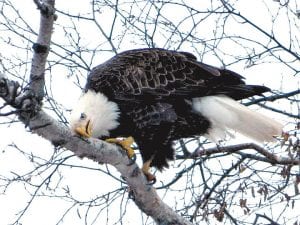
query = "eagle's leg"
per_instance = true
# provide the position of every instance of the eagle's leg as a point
(146, 170)
(126, 145)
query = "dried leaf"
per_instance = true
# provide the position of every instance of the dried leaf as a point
(285, 136)
(260, 190)
(296, 188)
(219, 214)
(287, 197)
(252, 192)
(297, 179)
(266, 192)
(285, 171)
(243, 203)
(242, 168)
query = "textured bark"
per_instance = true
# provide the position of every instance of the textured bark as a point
(41, 47)
(143, 194)
(59, 135)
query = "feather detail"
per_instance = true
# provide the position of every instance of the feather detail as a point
(225, 113)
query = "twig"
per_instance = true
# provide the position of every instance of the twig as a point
(279, 111)
(268, 156)
(273, 97)
(272, 222)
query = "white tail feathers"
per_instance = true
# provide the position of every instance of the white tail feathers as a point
(225, 113)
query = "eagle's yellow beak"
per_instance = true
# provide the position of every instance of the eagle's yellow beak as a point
(84, 130)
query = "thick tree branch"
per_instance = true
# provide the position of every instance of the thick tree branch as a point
(41, 48)
(143, 194)
(29, 100)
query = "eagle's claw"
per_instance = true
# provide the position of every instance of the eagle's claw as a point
(126, 145)
(150, 178)
(146, 170)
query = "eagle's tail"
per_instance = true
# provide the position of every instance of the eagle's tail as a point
(225, 113)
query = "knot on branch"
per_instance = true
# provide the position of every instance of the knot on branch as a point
(28, 104)
(25, 102)
(3, 89)
(39, 48)
(8, 90)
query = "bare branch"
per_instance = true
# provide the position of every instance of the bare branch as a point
(280, 111)
(268, 156)
(273, 97)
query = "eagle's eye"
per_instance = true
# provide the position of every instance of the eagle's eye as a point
(82, 116)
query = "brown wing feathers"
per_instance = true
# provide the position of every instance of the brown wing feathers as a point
(159, 73)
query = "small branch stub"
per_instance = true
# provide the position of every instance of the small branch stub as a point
(39, 49)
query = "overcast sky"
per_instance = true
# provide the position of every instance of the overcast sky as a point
(86, 182)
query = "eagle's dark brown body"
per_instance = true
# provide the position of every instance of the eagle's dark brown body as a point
(154, 88)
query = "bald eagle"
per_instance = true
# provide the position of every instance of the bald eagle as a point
(158, 96)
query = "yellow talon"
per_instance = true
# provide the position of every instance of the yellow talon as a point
(146, 170)
(125, 144)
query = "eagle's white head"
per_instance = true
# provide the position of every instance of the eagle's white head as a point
(94, 115)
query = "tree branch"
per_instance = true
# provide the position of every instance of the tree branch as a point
(27, 104)
(41, 48)
(143, 194)
(268, 156)
(279, 111)
(273, 97)
(39, 122)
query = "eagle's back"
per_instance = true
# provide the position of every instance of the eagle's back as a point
(163, 74)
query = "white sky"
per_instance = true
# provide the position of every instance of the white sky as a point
(85, 183)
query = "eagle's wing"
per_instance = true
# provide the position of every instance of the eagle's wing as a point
(152, 74)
